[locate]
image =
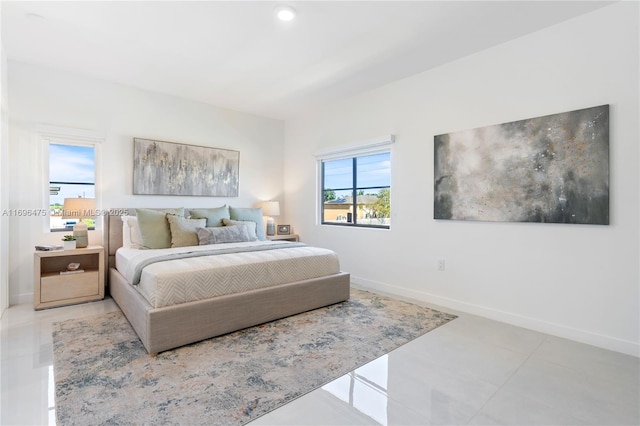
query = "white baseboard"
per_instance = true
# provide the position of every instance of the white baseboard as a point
(559, 330)
(21, 299)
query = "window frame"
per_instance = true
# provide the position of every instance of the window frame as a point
(69, 136)
(375, 146)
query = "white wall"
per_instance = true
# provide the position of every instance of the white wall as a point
(4, 187)
(575, 281)
(40, 96)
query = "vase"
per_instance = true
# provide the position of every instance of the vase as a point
(69, 245)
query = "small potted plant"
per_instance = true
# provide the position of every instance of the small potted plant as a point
(69, 242)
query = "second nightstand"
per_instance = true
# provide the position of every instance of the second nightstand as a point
(290, 237)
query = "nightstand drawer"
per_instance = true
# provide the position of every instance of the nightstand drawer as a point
(69, 286)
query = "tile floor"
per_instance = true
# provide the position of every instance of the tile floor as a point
(469, 371)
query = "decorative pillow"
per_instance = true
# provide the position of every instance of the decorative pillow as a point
(131, 237)
(214, 216)
(183, 230)
(223, 234)
(250, 227)
(154, 227)
(253, 215)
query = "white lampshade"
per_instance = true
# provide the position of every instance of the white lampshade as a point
(271, 208)
(79, 208)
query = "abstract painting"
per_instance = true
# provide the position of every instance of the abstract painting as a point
(167, 168)
(551, 169)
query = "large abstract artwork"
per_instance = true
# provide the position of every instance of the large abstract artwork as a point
(546, 169)
(167, 168)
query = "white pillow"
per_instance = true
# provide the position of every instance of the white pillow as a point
(131, 237)
(251, 227)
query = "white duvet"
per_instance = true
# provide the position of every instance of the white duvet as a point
(185, 280)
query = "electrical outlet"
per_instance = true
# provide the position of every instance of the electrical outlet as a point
(441, 265)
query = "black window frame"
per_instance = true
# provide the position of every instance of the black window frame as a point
(354, 194)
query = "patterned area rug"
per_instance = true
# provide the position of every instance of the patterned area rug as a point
(103, 374)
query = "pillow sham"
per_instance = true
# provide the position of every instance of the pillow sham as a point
(183, 230)
(214, 216)
(223, 234)
(154, 227)
(131, 237)
(250, 227)
(249, 214)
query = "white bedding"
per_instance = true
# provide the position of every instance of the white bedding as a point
(185, 280)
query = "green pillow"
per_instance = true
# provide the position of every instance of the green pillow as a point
(214, 216)
(154, 227)
(253, 215)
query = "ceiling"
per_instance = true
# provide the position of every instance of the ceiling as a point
(237, 55)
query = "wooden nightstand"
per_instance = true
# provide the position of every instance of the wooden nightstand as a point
(290, 237)
(51, 288)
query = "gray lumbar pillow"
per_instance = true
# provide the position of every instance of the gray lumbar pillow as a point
(222, 234)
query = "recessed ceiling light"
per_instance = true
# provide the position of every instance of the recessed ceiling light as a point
(285, 13)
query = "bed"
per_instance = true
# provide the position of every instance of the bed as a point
(177, 317)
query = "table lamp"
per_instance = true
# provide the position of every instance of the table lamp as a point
(79, 208)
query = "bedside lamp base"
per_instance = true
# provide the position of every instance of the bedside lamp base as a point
(271, 227)
(81, 235)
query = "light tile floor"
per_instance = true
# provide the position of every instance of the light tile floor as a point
(469, 371)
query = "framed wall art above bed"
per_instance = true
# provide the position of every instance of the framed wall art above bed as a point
(168, 168)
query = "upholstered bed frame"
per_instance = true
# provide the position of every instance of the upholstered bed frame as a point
(166, 328)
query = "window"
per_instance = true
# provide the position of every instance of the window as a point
(356, 186)
(71, 175)
(70, 169)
